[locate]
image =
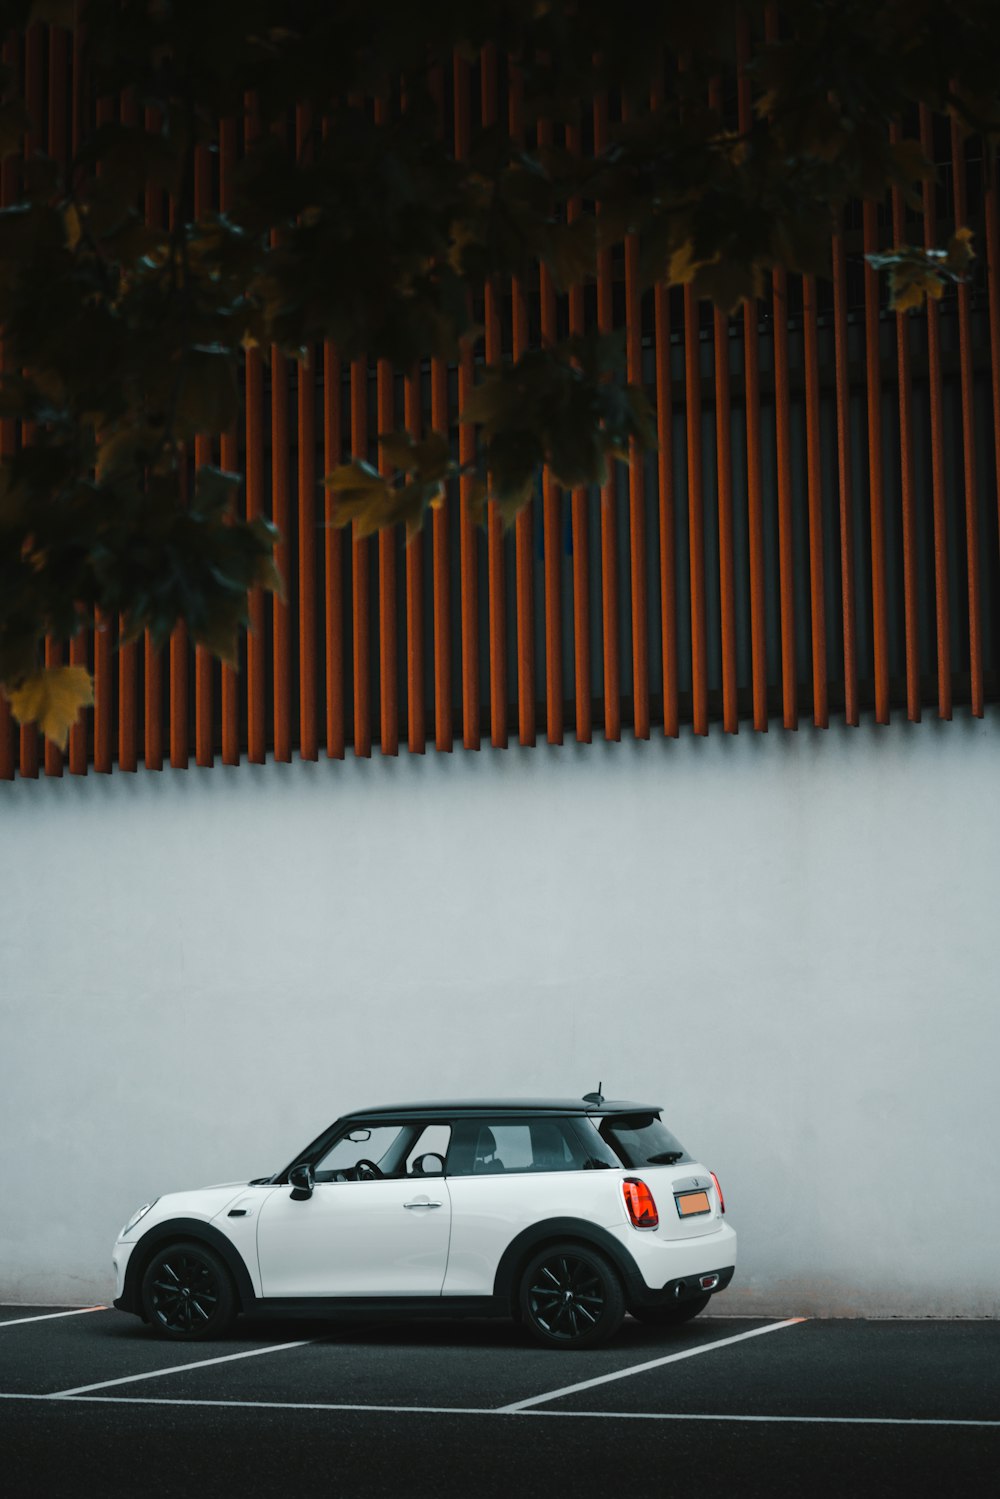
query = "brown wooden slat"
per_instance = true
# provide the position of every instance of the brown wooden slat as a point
(783, 452)
(939, 499)
(724, 495)
(993, 285)
(523, 558)
(152, 677)
(665, 484)
(103, 657)
(755, 502)
(636, 497)
(281, 620)
(494, 526)
(551, 523)
(388, 645)
(844, 482)
(580, 528)
(78, 646)
(966, 378)
(609, 543)
(9, 732)
(229, 457)
(696, 513)
(58, 149)
(416, 725)
(360, 589)
(814, 502)
(466, 454)
(254, 460)
(308, 730)
(443, 730)
(204, 665)
(333, 564)
(128, 665)
(34, 90)
(873, 390)
(907, 498)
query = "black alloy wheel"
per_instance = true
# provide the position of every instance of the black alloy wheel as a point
(187, 1292)
(571, 1297)
(671, 1314)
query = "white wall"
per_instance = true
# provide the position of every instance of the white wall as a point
(788, 940)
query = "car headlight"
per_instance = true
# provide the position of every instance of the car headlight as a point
(139, 1213)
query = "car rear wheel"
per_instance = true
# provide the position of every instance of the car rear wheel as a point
(571, 1297)
(671, 1315)
(187, 1292)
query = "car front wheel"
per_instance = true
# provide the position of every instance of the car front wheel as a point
(571, 1297)
(187, 1292)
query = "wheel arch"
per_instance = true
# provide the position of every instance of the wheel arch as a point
(196, 1230)
(555, 1231)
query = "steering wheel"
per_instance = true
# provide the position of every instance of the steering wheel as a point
(366, 1171)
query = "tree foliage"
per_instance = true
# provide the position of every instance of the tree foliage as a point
(124, 329)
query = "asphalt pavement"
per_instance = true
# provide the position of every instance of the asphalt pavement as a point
(92, 1403)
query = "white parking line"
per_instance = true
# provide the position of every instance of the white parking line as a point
(202, 1363)
(462, 1410)
(77, 1311)
(655, 1363)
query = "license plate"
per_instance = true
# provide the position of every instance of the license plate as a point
(690, 1204)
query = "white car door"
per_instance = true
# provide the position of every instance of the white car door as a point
(386, 1236)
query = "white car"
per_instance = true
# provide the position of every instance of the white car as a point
(562, 1214)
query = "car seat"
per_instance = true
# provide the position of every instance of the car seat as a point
(485, 1159)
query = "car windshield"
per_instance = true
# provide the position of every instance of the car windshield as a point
(642, 1140)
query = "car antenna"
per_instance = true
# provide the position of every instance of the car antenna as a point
(595, 1098)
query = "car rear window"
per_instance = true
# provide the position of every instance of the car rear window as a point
(642, 1140)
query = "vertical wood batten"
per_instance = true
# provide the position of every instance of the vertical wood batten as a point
(906, 477)
(416, 727)
(104, 685)
(755, 502)
(388, 646)
(551, 528)
(203, 661)
(636, 497)
(814, 501)
(8, 446)
(938, 495)
(281, 640)
(466, 454)
(254, 448)
(78, 734)
(128, 727)
(360, 596)
(609, 544)
(724, 495)
(580, 529)
(333, 563)
(306, 505)
(229, 457)
(696, 512)
(993, 288)
(966, 378)
(58, 126)
(844, 481)
(152, 684)
(494, 526)
(876, 504)
(30, 734)
(783, 451)
(523, 561)
(443, 719)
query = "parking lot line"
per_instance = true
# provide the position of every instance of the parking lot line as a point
(202, 1363)
(463, 1410)
(655, 1363)
(75, 1311)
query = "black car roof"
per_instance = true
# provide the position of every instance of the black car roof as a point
(448, 1108)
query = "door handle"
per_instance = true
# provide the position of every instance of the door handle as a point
(423, 1204)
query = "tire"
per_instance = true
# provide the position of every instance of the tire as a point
(187, 1292)
(671, 1316)
(570, 1297)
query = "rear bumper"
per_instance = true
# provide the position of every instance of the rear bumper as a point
(671, 1269)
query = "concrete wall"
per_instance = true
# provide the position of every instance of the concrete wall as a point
(790, 941)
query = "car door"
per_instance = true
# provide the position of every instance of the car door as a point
(385, 1235)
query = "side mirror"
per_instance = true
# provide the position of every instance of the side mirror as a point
(301, 1181)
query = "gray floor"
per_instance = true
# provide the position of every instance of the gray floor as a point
(91, 1403)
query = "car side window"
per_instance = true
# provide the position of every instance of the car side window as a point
(487, 1147)
(378, 1144)
(429, 1152)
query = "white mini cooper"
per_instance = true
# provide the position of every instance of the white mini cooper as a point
(563, 1215)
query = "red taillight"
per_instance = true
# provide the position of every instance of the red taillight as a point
(640, 1204)
(722, 1200)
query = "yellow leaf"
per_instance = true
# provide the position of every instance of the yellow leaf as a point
(74, 229)
(683, 266)
(53, 698)
(908, 296)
